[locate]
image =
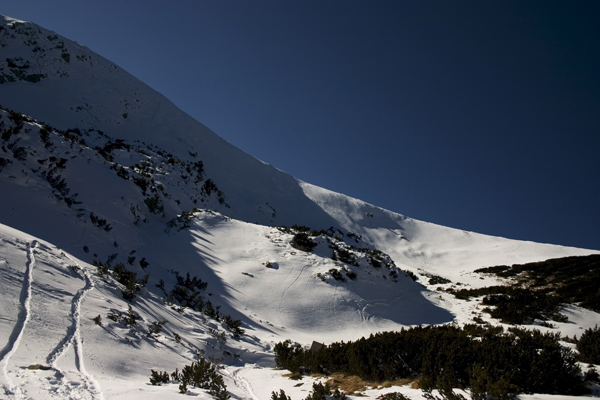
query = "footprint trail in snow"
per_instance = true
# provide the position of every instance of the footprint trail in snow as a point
(52, 380)
(73, 338)
(14, 339)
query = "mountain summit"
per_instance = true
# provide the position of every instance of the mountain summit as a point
(67, 86)
(117, 205)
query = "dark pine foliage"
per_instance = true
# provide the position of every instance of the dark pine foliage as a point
(156, 378)
(589, 346)
(303, 242)
(392, 396)
(539, 290)
(520, 305)
(201, 374)
(280, 396)
(187, 291)
(487, 360)
(571, 279)
(129, 279)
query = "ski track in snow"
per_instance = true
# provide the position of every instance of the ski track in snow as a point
(61, 387)
(243, 384)
(24, 314)
(282, 295)
(73, 337)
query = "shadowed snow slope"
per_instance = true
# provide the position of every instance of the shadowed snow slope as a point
(103, 170)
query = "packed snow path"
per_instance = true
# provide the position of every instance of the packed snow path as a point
(26, 372)
(24, 314)
(243, 384)
(73, 338)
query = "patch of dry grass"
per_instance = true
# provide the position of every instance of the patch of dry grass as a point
(293, 376)
(397, 382)
(354, 385)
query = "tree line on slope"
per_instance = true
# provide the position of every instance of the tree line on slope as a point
(487, 360)
(538, 290)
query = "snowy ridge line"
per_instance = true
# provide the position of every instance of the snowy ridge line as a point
(24, 314)
(73, 335)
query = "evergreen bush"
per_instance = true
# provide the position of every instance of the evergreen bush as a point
(303, 242)
(130, 318)
(589, 346)
(201, 374)
(319, 392)
(280, 396)
(233, 326)
(155, 328)
(154, 204)
(337, 275)
(156, 378)
(392, 396)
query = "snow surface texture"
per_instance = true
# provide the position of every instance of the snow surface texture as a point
(135, 179)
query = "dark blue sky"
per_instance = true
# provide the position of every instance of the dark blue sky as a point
(479, 115)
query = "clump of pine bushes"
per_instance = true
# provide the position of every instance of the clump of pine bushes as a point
(588, 346)
(342, 252)
(539, 290)
(187, 293)
(487, 360)
(202, 374)
(319, 392)
(131, 284)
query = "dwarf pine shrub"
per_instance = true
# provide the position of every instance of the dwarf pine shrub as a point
(155, 328)
(154, 204)
(337, 275)
(322, 392)
(116, 316)
(202, 374)
(129, 280)
(589, 346)
(233, 325)
(156, 378)
(280, 396)
(392, 396)
(130, 318)
(303, 242)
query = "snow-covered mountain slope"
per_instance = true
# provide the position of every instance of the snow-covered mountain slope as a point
(419, 245)
(103, 174)
(79, 89)
(122, 215)
(53, 349)
(67, 86)
(66, 333)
